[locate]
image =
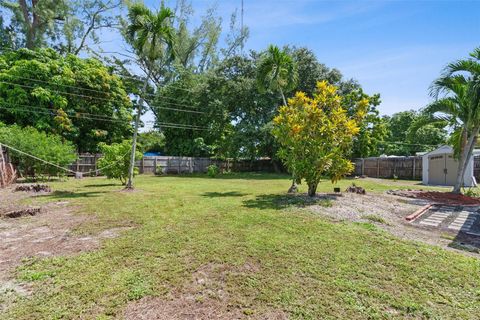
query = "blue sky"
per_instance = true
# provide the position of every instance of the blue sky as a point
(395, 48)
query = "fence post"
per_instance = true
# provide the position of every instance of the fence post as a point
(142, 165)
(394, 167)
(413, 174)
(95, 164)
(155, 165)
(363, 166)
(378, 167)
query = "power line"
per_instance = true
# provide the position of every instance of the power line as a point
(161, 124)
(109, 99)
(36, 158)
(60, 167)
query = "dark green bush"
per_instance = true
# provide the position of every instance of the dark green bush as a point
(48, 147)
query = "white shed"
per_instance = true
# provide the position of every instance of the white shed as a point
(440, 168)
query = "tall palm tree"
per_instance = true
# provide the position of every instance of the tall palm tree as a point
(151, 36)
(460, 106)
(278, 72)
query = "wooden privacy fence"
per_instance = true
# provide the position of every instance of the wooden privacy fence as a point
(175, 165)
(400, 167)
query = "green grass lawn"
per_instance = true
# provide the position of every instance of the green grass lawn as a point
(305, 265)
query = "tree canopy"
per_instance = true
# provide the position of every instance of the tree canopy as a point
(316, 135)
(78, 99)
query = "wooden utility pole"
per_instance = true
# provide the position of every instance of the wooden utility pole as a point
(135, 134)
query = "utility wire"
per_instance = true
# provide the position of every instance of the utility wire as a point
(107, 99)
(60, 167)
(160, 124)
(37, 158)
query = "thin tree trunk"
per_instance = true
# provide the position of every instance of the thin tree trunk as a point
(470, 146)
(312, 189)
(283, 97)
(458, 185)
(135, 134)
(293, 188)
(465, 156)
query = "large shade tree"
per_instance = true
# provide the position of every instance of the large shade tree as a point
(458, 101)
(78, 99)
(151, 36)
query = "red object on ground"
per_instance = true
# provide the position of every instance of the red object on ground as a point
(443, 197)
(418, 213)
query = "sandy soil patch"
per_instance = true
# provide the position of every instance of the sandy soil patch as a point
(48, 233)
(389, 212)
(204, 296)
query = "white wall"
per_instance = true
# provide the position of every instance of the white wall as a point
(468, 175)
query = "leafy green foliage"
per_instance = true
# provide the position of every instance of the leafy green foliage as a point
(410, 132)
(277, 71)
(52, 93)
(69, 26)
(238, 116)
(213, 170)
(150, 33)
(48, 147)
(36, 22)
(459, 107)
(316, 134)
(115, 161)
(151, 141)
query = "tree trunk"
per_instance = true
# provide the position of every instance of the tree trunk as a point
(293, 188)
(283, 97)
(465, 156)
(312, 189)
(470, 146)
(135, 134)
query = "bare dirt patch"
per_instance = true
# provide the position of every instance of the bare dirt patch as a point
(48, 233)
(388, 212)
(204, 296)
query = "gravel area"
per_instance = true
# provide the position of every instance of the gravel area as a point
(388, 212)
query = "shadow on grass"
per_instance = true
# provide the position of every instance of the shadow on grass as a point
(224, 194)
(72, 195)
(465, 242)
(233, 175)
(282, 201)
(103, 185)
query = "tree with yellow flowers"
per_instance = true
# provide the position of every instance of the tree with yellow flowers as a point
(316, 134)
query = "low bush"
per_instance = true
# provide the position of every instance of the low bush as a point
(116, 160)
(213, 170)
(48, 147)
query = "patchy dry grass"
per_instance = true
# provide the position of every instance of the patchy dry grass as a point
(238, 246)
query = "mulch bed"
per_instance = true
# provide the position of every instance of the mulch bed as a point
(437, 197)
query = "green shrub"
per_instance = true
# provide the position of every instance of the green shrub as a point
(48, 147)
(471, 192)
(213, 170)
(115, 161)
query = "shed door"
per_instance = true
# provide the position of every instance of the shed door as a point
(451, 167)
(436, 169)
(442, 169)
